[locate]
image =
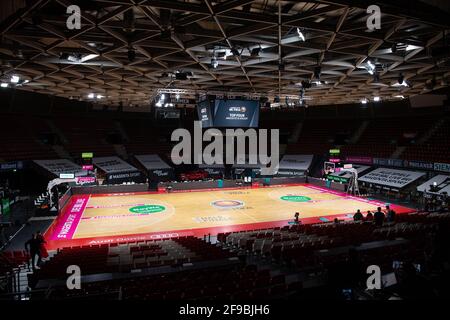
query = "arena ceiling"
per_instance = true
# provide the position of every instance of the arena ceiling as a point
(126, 50)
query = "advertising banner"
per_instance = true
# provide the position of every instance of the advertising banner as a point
(57, 167)
(117, 170)
(388, 162)
(443, 167)
(156, 168)
(418, 165)
(361, 160)
(294, 165)
(437, 185)
(392, 178)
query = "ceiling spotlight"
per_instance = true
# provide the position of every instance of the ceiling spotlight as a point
(74, 57)
(15, 79)
(364, 101)
(99, 96)
(131, 54)
(376, 77)
(91, 96)
(129, 21)
(317, 72)
(88, 57)
(306, 84)
(235, 52)
(376, 99)
(300, 35)
(64, 56)
(214, 63)
(394, 48)
(370, 67)
(255, 52)
(4, 85)
(400, 97)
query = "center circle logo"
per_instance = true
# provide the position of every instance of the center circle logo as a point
(295, 198)
(227, 203)
(148, 209)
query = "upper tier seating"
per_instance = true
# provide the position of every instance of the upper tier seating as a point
(436, 148)
(382, 136)
(19, 138)
(318, 135)
(87, 135)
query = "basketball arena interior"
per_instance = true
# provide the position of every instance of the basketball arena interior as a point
(224, 150)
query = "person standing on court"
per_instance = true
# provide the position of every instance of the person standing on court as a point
(296, 216)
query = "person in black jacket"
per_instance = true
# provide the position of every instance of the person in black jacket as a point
(33, 247)
(358, 216)
(379, 217)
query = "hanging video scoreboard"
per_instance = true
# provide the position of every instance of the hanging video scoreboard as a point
(229, 113)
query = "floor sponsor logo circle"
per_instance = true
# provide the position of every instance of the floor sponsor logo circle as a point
(295, 198)
(227, 203)
(148, 209)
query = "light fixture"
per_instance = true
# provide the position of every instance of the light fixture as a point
(376, 99)
(400, 96)
(131, 54)
(99, 96)
(74, 58)
(255, 52)
(214, 63)
(15, 79)
(364, 101)
(317, 72)
(91, 96)
(235, 52)
(300, 35)
(370, 67)
(4, 85)
(376, 77)
(88, 57)
(394, 48)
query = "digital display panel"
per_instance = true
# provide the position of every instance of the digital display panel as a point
(236, 113)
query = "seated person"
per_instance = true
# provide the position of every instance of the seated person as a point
(358, 216)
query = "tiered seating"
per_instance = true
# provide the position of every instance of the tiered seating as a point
(318, 135)
(382, 136)
(145, 138)
(87, 135)
(19, 138)
(124, 257)
(295, 244)
(235, 282)
(437, 148)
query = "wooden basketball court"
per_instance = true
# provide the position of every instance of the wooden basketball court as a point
(120, 217)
